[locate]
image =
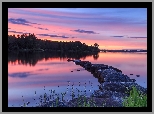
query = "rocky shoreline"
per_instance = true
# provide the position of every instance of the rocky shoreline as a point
(114, 86)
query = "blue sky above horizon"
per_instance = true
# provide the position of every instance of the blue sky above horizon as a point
(111, 28)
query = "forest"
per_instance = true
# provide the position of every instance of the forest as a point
(29, 42)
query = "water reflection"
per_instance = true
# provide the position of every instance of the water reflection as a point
(19, 74)
(95, 56)
(51, 69)
(32, 58)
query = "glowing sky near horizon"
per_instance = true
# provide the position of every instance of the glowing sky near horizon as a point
(111, 28)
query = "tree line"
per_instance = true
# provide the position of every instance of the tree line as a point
(31, 42)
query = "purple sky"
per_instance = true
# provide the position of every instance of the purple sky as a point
(111, 28)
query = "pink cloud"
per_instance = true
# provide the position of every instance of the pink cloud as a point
(59, 26)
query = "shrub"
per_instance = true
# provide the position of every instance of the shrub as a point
(135, 99)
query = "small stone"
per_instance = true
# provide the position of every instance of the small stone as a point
(138, 75)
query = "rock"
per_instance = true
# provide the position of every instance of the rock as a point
(100, 80)
(108, 102)
(115, 86)
(76, 60)
(102, 94)
(94, 101)
(133, 80)
(88, 66)
(104, 67)
(99, 73)
(92, 69)
(82, 63)
(53, 103)
(95, 75)
(69, 60)
(77, 63)
(116, 69)
(100, 87)
(122, 87)
(116, 91)
(111, 75)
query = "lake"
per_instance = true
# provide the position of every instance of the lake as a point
(33, 74)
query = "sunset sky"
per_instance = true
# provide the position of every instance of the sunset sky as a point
(111, 28)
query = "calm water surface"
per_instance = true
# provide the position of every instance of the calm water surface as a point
(28, 73)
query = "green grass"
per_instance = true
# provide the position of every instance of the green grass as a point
(136, 99)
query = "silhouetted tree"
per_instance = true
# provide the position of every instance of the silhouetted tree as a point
(96, 45)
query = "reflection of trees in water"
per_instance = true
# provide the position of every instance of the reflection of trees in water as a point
(25, 58)
(29, 58)
(32, 58)
(95, 56)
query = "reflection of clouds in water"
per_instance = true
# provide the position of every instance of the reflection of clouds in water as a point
(24, 74)
(20, 74)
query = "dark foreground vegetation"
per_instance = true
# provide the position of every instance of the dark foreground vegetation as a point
(30, 42)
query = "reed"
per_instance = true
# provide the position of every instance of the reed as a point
(135, 99)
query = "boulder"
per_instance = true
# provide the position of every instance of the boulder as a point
(104, 67)
(88, 66)
(122, 87)
(92, 69)
(111, 75)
